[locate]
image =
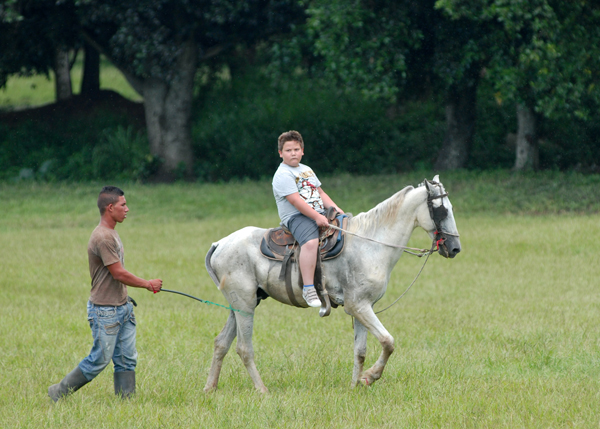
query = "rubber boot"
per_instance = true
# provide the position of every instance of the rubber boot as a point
(73, 381)
(125, 384)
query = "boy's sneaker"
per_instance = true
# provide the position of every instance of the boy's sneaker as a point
(310, 296)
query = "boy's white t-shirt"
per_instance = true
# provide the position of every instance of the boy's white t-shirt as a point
(288, 180)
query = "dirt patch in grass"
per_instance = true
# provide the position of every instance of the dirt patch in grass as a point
(78, 107)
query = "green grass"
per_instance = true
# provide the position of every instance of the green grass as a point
(21, 92)
(505, 335)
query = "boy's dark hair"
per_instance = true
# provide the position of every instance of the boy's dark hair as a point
(108, 195)
(289, 136)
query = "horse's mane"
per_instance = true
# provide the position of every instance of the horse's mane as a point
(384, 213)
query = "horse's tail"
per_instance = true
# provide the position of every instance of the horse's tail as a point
(209, 268)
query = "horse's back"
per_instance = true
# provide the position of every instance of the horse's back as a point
(237, 251)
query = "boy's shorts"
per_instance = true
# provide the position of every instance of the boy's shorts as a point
(303, 228)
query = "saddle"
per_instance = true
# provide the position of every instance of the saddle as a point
(278, 244)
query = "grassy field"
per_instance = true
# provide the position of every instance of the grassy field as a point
(505, 335)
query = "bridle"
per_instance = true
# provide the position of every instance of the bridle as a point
(438, 214)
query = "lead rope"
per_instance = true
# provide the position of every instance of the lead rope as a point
(206, 302)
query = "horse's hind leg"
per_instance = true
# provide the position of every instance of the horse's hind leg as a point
(360, 351)
(245, 325)
(222, 344)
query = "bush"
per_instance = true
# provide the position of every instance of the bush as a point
(235, 131)
(101, 147)
(122, 153)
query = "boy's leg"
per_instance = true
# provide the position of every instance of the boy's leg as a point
(306, 232)
(308, 261)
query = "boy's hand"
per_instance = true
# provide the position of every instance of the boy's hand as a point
(322, 221)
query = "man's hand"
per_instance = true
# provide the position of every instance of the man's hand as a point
(154, 285)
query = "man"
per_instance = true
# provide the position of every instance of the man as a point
(110, 310)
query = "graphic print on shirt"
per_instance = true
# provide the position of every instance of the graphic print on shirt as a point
(308, 191)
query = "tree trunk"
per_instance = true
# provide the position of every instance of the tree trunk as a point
(460, 127)
(90, 84)
(527, 156)
(168, 108)
(62, 72)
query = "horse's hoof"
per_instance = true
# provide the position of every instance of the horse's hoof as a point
(366, 381)
(210, 389)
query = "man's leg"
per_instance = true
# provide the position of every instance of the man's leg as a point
(125, 355)
(105, 328)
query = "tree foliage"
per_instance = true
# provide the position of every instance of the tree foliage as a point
(30, 33)
(547, 54)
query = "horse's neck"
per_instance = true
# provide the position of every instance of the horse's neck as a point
(393, 220)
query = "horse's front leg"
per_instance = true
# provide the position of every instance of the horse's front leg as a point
(365, 315)
(222, 344)
(360, 351)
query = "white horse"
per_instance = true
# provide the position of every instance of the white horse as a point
(356, 279)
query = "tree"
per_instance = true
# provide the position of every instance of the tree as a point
(90, 83)
(36, 36)
(393, 50)
(546, 61)
(157, 44)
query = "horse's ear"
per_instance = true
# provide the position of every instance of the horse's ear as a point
(436, 178)
(427, 185)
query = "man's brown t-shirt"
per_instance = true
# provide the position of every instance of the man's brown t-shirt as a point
(105, 248)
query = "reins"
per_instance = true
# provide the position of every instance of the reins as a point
(422, 252)
(429, 252)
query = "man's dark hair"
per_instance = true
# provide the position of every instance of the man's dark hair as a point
(108, 195)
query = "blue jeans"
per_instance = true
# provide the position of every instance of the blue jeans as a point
(113, 330)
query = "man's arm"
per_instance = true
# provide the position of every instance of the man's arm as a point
(121, 274)
(327, 201)
(297, 201)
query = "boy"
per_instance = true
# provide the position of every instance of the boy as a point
(301, 203)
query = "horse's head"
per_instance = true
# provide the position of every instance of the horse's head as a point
(444, 230)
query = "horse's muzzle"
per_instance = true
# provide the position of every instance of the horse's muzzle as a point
(450, 247)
